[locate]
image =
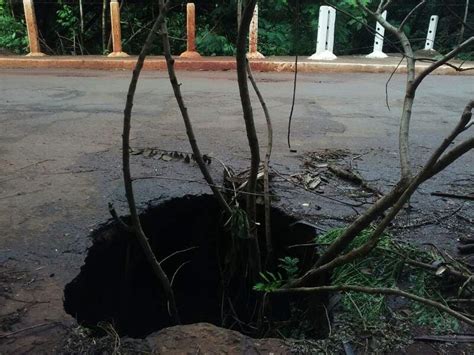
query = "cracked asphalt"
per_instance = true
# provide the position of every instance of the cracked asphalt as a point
(60, 160)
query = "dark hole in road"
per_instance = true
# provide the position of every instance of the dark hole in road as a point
(132, 301)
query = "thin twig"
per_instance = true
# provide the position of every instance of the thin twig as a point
(421, 3)
(315, 193)
(177, 270)
(197, 182)
(140, 234)
(119, 220)
(389, 79)
(434, 220)
(295, 79)
(266, 166)
(241, 58)
(26, 329)
(176, 253)
(383, 291)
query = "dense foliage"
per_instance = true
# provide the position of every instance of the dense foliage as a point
(287, 27)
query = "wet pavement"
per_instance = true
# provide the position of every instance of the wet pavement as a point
(60, 160)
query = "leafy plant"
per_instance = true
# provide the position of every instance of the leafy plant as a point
(239, 225)
(210, 43)
(271, 282)
(290, 265)
(384, 268)
(13, 35)
(67, 19)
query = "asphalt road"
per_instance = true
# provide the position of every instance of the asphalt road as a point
(60, 156)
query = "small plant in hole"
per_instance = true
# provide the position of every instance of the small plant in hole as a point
(273, 281)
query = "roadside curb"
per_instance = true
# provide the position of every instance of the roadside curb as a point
(215, 64)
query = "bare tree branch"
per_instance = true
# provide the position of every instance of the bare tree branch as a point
(458, 68)
(404, 133)
(136, 225)
(187, 121)
(452, 155)
(439, 63)
(118, 220)
(266, 165)
(383, 5)
(383, 291)
(249, 125)
(463, 22)
(420, 4)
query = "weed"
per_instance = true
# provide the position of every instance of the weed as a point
(272, 281)
(384, 267)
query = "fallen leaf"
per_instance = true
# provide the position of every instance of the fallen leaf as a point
(315, 183)
(441, 270)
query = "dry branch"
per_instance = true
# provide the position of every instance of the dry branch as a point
(251, 207)
(187, 120)
(404, 133)
(136, 225)
(402, 24)
(266, 165)
(382, 291)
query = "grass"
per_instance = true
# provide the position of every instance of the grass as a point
(385, 268)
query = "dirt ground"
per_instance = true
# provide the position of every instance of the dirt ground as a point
(60, 164)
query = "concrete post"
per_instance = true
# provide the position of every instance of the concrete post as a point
(378, 42)
(326, 28)
(253, 37)
(430, 37)
(32, 28)
(191, 33)
(116, 30)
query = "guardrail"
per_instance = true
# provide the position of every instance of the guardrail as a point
(324, 44)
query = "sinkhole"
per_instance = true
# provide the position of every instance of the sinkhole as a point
(116, 284)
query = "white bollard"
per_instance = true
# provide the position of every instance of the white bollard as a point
(378, 42)
(430, 37)
(325, 41)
